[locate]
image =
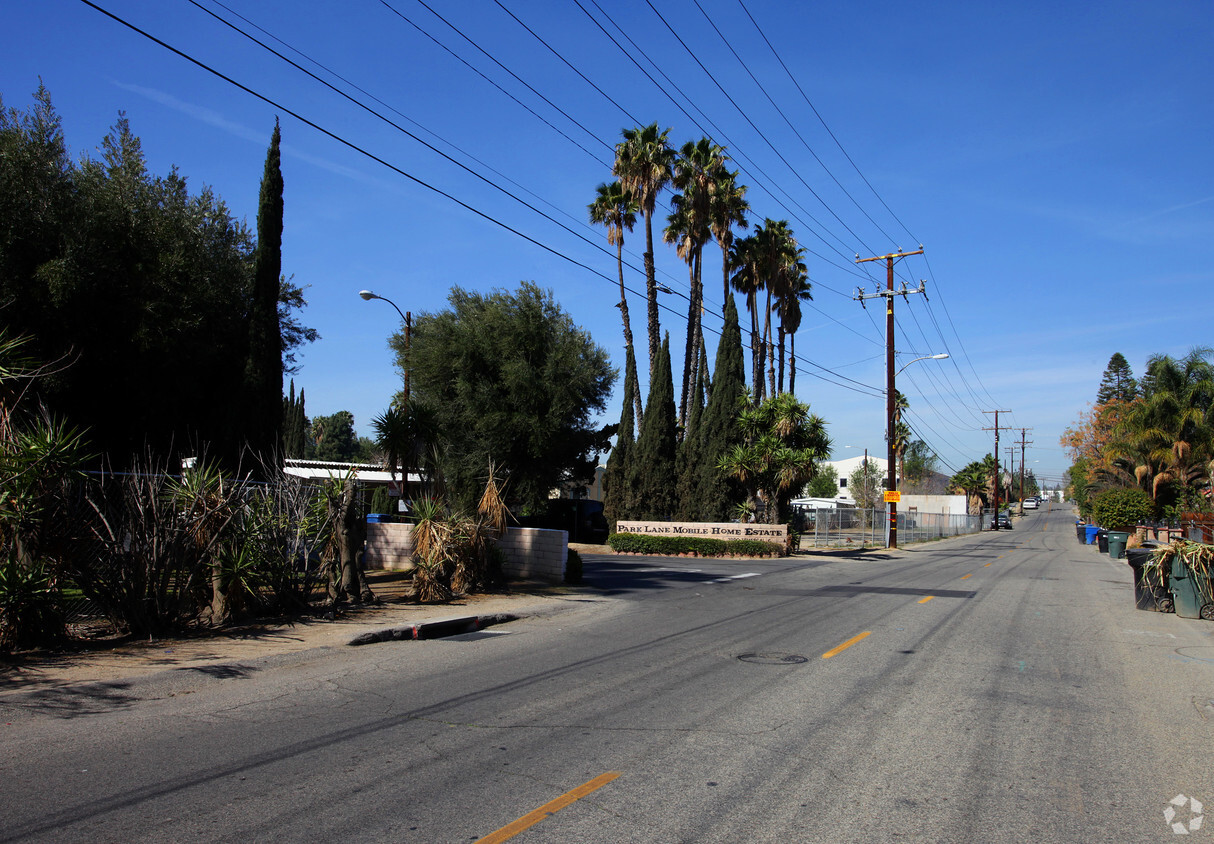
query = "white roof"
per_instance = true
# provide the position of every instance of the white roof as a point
(372, 473)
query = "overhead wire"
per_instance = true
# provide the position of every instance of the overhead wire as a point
(845, 382)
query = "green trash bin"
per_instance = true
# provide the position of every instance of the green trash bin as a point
(1190, 591)
(1117, 541)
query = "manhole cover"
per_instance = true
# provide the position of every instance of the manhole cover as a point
(774, 658)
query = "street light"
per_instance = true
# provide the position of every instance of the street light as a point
(941, 356)
(408, 320)
(889, 440)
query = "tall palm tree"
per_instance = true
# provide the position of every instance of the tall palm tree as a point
(1166, 438)
(794, 288)
(726, 211)
(643, 164)
(795, 293)
(695, 173)
(744, 261)
(777, 252)
(682, 230)
(615, 208)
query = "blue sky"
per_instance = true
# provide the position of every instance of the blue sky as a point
(1055, 161)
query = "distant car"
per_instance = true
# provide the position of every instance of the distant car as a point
(1030, 504)
(1004, 521)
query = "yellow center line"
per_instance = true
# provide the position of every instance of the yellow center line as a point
(845, 645)
(964, 576)
(925, 600)
(987, 566)
(550, 808)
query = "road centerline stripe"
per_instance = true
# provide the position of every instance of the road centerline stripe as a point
(964, 576)
(548, 809)
(925, 600)
(845, 645)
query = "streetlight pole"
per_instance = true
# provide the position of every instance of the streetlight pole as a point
(407, 318)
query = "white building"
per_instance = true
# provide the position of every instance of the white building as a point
(844, 468)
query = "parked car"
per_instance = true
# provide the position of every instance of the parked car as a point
(1004, 521)
(1030, 504)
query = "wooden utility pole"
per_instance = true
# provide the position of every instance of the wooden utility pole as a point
(1023, 443)
(890, 371)
(996, 430)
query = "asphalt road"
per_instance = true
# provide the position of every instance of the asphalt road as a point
(994, 688)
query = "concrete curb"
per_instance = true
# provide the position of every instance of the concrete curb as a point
(435, 629)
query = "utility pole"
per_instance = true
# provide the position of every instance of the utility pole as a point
(890, 371)
(996, 430)
(1023, 443)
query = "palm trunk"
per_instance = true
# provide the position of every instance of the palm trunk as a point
(792, 363)
(756, 350)
(768, 348)
(636, 394)
(689, 345)
(651, 291)
(780, 380)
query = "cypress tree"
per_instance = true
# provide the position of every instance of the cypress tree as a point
(690, 449)
(652, 467)
(617, 502)
(294, 424)
(716, 495)
(263, 369)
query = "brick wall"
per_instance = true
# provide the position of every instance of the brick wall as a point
(531, 553)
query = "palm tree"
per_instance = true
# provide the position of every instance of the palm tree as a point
(695, 172)
(615, 208)
(783, 443)
(794, 289)
(902, 432)
(744, 260)
(726, 211)
(1165, 440)
(643, 164)
(777, 255)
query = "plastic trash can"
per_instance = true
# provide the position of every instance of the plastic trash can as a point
(1081, 533)
(1117, 541)
(1190, 592)
(1149, 593)
(1089, 534)
(1102, 540)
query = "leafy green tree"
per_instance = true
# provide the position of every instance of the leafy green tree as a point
(652, 467)
(263, 369)
(782, 446)
(143, 286)
(867, 485)
(1117, 382)
(824, 483)
(333, 438)
(919, 463)
(510, 379)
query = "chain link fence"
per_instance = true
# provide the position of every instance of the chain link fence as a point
(855, 528)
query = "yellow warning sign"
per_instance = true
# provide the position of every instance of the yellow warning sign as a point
(893, 496)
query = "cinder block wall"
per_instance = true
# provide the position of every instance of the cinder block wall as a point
(389, 546)
(531, 553)
(535, 553)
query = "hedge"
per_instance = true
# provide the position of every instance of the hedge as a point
(702, 546)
